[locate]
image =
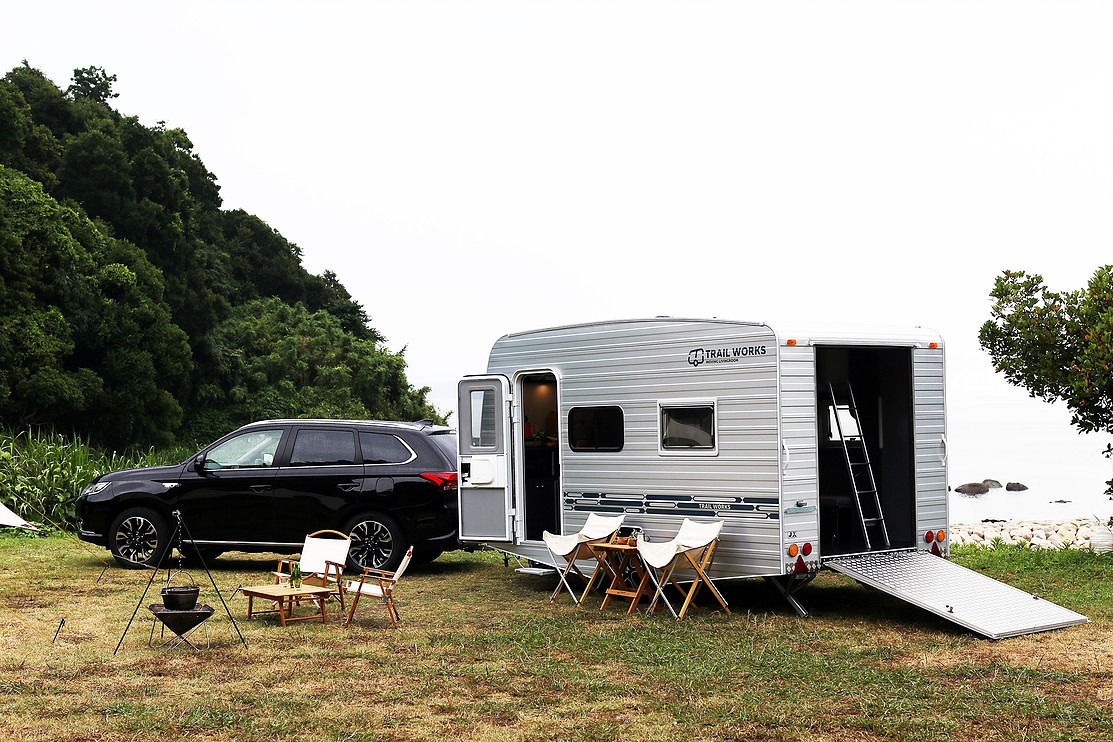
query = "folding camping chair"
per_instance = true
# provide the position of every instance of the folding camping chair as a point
(379, 584)
(693, 548)
(321, 562)
(576, 546)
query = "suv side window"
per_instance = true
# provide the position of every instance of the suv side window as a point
(247, 451)
(323, 447)
(379, 448)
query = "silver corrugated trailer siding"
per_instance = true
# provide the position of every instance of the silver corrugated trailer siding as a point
(635, 365)
(930, 431)
(799, 514)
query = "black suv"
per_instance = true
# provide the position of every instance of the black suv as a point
(267, 485)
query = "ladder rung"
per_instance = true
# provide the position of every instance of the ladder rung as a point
(873, 521)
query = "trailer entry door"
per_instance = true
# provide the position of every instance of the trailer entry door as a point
(958, 594)
(486, 483)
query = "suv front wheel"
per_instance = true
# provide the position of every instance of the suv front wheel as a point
(138, 538)
(378, 541)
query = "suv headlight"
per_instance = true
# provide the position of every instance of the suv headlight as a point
(94, 488)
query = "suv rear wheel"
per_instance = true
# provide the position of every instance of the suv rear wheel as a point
(138, 538)
(378, 541)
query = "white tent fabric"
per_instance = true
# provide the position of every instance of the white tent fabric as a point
(8, 518)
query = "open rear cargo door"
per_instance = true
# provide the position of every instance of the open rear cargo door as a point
(958, 594)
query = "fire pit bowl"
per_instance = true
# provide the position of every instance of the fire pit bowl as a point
(180, 598)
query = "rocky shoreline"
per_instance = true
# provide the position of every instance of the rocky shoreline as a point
(1077, 533)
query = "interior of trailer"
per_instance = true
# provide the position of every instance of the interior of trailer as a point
(867, 436)
(541, 465)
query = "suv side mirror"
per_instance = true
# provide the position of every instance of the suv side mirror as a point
(199, 464)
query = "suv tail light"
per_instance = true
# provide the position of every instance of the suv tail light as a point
(446, 480)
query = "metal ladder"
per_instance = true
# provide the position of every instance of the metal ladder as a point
(859, 467)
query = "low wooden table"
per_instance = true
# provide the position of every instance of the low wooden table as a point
(286, 596)
(621, 559)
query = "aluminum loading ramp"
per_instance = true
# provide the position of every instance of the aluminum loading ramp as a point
(958, 594)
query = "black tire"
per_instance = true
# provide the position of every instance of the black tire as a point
(378, 541)
(138, 538)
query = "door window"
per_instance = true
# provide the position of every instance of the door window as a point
(250, 450)
(323, 447)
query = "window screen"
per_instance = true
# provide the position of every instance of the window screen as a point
(380, 448)
(595, 428)
(322, 447)
(688, 428)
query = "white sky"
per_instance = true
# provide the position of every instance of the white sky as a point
(474, 168)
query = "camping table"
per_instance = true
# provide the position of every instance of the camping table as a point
(622, 561)
(285, 596)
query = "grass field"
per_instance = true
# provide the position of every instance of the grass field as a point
(483, 655)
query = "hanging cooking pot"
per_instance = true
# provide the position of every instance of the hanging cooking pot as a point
(180, 597)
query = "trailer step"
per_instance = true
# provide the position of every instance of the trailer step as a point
(539, 571)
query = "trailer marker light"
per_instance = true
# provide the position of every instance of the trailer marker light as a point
(941, 536)
(933, 346)
(790, 341)
(929, 536)
(807, 548)
(793, 550)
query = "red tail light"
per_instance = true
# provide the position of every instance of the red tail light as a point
(443, 479)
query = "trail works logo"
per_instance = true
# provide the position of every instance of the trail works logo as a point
(699, 356)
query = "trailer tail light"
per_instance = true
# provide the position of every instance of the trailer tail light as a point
(793, 550)
(446, 480)
(929, 537)
(807, 548)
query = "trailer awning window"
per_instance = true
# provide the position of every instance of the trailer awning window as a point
(595, 428)
(688, 428)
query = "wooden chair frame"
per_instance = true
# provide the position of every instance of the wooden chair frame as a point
(379, 584)
(322, 572)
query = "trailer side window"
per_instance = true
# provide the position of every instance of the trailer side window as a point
(688, 427)
(595, 428)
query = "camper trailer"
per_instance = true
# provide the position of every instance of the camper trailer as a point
(816, 448)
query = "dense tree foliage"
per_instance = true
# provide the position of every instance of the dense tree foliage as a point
(1058, 346)
(133, 309)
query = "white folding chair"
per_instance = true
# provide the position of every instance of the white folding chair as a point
(693, 547)
(576, 546)
(379, 584)
(321, 562)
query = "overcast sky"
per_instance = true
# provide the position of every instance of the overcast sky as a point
(470, 169)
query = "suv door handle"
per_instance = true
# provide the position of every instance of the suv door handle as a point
(348, 487)
(260, 487)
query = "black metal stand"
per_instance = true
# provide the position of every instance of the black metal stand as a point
(180, 529)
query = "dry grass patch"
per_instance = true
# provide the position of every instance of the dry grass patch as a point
(482, 655)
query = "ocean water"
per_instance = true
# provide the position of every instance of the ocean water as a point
(1033, 504)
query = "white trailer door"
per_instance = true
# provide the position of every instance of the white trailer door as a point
(958, 594)
(485, 466)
